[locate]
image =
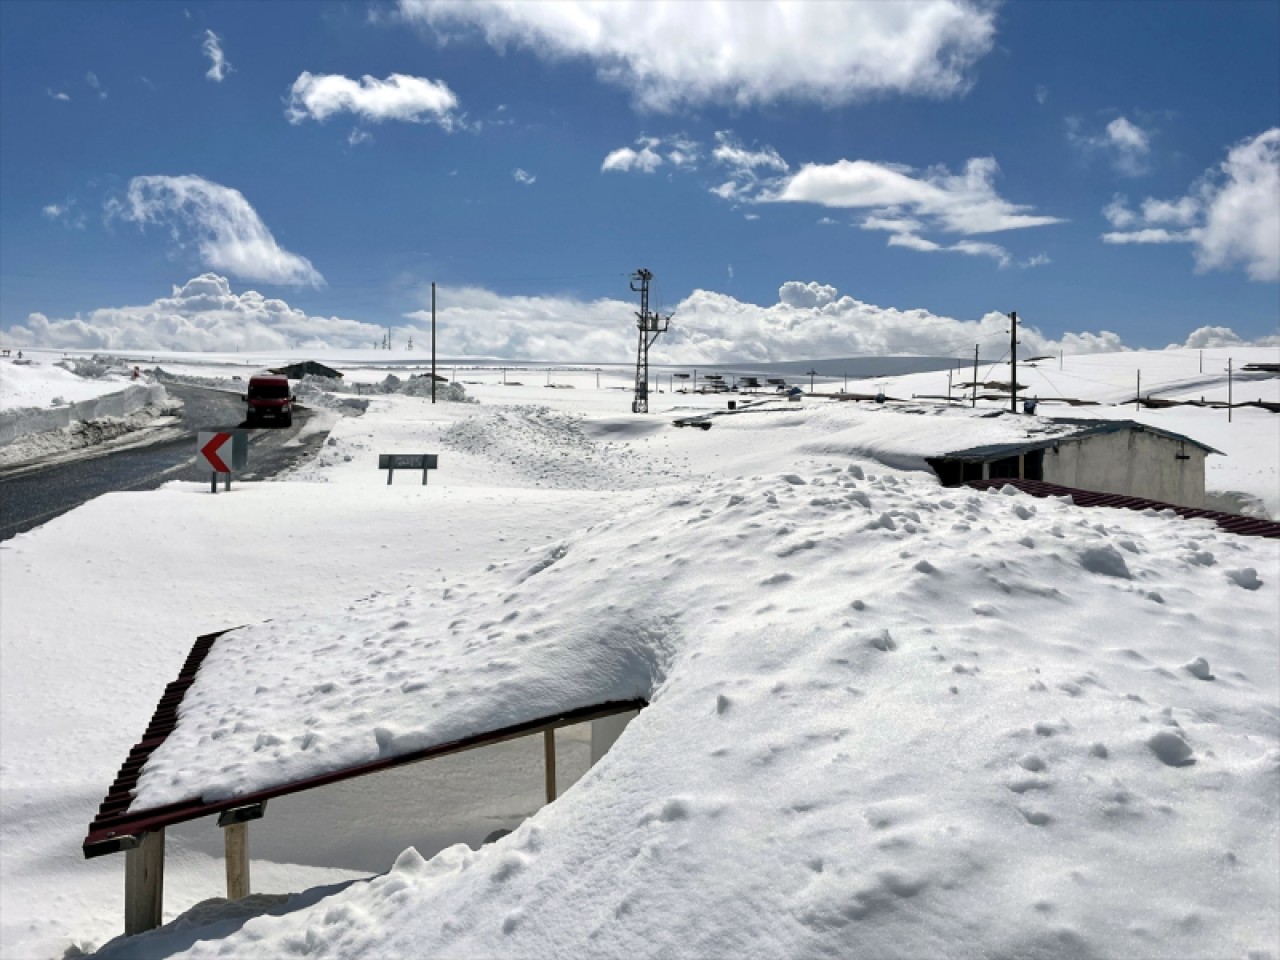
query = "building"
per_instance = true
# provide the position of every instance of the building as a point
(307, 368)
(1108, 456)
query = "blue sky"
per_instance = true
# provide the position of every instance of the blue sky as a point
(975, 168)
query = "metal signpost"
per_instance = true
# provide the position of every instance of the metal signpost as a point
(222, 451)
(391, 462)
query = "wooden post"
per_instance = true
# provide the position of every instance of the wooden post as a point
(1022, 466)
(1137, 394)
(549, 749)
(236, 837)
(1230, 375)
(433, 341)
(144, 884)
(974, 402)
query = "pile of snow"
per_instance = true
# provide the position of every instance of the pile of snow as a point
(885, 717)
(41, 385)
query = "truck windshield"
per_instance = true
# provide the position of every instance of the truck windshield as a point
(268, 390)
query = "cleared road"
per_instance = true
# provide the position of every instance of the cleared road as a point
(34, 493)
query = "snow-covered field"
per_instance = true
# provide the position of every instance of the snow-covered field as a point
(887, 719)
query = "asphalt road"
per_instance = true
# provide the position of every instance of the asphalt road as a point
(34, 493)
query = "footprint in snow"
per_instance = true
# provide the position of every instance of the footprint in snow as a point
(1171, 749)
(1199, 668)
(1247, 578)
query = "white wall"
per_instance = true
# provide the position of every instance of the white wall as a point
(1130, 462)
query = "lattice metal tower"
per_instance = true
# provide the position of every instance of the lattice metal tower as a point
(650, 325)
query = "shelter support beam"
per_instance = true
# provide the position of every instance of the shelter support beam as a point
(144, 884)
(236, 838)
(549, 749)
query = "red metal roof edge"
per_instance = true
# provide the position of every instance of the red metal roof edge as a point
(115, 829)
(1231, 522)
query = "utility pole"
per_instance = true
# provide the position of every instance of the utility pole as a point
(1229, 378)
(1013, 361)
(433, 341)
(1137, 393)
(811, 373)
(974, 402)
(948, 384)
(410, 346)
(650, 325)
(1202, 361)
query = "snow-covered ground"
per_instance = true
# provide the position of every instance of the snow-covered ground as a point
(42, 383)
(886, 718)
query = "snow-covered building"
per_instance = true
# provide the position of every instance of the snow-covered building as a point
(1108, 456)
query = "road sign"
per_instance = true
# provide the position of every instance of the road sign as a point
(391, 462)
(222, 451)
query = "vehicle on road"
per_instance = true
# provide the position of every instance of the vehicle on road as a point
(270, 401)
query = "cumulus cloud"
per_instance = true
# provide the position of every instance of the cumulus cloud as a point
(203, 314)
(1231, 215)
(399, 97)
(227, 232)
(56, 94)
(742, 54)
(1205, 338)
(524, 177)
(219, 66)
(1127, 145)
(809, 320)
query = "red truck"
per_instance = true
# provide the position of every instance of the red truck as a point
(270, 401)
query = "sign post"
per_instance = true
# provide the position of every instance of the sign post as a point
(391, 462)
(222, 451)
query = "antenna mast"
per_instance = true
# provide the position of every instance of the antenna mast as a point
(650, 325)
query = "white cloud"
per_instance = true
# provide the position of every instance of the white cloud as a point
(1126, 144)
(219, 66)
(1149, 235)
(751, 216)
(1042, 94)
(826, 222)
(228, 233)
(1039, 260)
(92, 80)
(56, 94)
(65, 213)
(524, 177)
(743, 54)
(809, 320)
(745, 167)
(399, 97)
(1231, 215)
(962, 203)
(203, 314)
(646, 159)
(1118, 213)
(358, 136)
(1204, 338)
(646, 156)
(1242, 210)
(737, 158)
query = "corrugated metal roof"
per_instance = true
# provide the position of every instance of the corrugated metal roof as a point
(115, 828)
(1084, 428)
(1231, 522)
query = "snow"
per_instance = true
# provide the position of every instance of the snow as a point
(886, 718)
(42, 384)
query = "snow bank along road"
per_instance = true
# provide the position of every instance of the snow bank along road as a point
(34, 493)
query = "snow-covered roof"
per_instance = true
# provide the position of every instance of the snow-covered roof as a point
(1082, 428)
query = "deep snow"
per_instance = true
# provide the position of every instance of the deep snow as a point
(887, 719)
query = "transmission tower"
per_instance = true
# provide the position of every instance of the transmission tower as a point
(650, 325)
